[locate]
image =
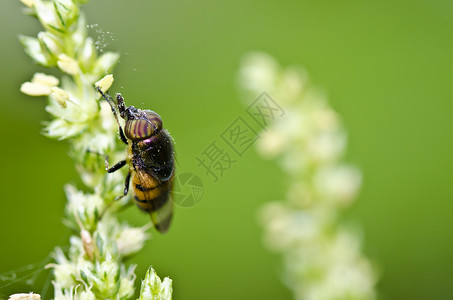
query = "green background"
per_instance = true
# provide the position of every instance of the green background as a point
(387, 68)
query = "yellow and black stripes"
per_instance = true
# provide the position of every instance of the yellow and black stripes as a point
(153, 196)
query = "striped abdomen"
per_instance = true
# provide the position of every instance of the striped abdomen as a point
(153, 196)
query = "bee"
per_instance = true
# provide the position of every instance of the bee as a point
(150, 156)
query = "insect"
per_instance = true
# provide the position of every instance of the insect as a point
(150, 156)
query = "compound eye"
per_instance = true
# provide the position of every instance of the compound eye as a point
(154, 118)
(139, 129)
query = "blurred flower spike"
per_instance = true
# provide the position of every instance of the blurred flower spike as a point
(93, 267)
(322, 258)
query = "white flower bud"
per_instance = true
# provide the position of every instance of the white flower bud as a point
(271, 143)
(259, 73)
(40, 85)
(60, 96)
(29, 296)
(34, 89)
(105, 83)
(82, 205)
(86, 295)
(48, 16)
(67, 11)
(50, 43)
(126, 289)
(106, 272)
(67, 64)
(48, 80)
(326, 146)
(131, 240)
(166, 288)
(153, 288)
(62, 293)
(63, 269)
(293, 82)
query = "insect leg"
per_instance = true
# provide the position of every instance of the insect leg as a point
(122, 136)
(110, 101)
(126, 190)
(116, 167)
(126, 183)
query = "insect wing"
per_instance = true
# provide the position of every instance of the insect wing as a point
(156, 194)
